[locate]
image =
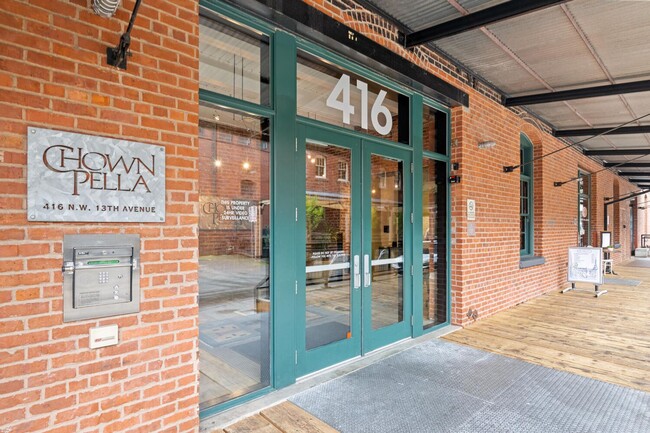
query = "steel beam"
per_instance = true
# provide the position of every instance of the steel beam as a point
(617, 152)
(637, 181)
(588, 92)
(644, 129)
(627, 164)
(478, 19)
(633, 173)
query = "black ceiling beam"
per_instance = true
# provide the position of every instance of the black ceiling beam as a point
(644, 129)
(617, 152)
(475, 20)
(638, 180)
(633, 173)
(627, 164)
(587, 92)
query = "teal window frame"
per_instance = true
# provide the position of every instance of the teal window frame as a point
(213, 9)
(526, 175)
(419, 155)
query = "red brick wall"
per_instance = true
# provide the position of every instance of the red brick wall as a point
(53, 75)
(485, 268)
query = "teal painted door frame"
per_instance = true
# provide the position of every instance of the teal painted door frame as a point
(363, 338)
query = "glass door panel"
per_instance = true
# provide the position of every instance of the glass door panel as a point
(387, 240)
(328, 304)
(434, 238)
(386, 246)
(328, 234)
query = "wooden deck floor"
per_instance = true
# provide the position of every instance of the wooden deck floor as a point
(606, 338)
(283, 418)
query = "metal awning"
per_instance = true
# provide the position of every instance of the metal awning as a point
(582, 66)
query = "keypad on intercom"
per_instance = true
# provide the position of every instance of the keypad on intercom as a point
(102, 276)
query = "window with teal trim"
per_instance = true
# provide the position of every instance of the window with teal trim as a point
(234, 229)
(525, 196)
(234, 61)
(337, 96)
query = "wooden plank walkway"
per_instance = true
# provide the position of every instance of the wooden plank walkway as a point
(284, 418)
(606, 338)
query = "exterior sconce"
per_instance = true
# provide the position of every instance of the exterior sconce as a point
(487, 144)
(106, 8)
(116, 56)
(246, 165)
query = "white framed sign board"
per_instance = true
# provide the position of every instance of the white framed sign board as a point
(585, 266)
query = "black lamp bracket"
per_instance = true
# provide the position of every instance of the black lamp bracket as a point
(116, 56)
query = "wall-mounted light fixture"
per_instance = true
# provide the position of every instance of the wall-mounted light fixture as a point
(116, 56)
(106, 8)
(487, 144)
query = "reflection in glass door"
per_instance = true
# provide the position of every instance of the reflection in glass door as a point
(355, 213)
(434, 242)
(328, 236)
(386, 297)
(387, 241)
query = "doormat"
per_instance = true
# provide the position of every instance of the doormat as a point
(622, 282)
(440, 386)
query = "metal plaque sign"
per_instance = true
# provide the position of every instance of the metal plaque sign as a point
(77, 177)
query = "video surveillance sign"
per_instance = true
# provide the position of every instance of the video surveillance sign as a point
(85, 178)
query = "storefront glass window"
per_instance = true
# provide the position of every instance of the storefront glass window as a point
(434, 237)
(234, 233)
(339, 97)
(234, 61)
(435, 131)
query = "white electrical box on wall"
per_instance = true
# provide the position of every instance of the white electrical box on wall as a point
(103, 336)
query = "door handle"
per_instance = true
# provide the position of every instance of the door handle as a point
(357, 272)
(366, 270)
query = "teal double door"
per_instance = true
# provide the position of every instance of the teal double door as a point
(355, 294)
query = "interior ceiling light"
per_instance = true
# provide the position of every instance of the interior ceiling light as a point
(106, 8)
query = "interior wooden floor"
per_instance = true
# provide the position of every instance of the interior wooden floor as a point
(605, 338)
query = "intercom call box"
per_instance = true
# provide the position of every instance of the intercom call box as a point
(101, 276)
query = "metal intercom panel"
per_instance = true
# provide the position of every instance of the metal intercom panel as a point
(101, 276)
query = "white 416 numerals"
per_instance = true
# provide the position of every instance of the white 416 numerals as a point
(339, 99)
